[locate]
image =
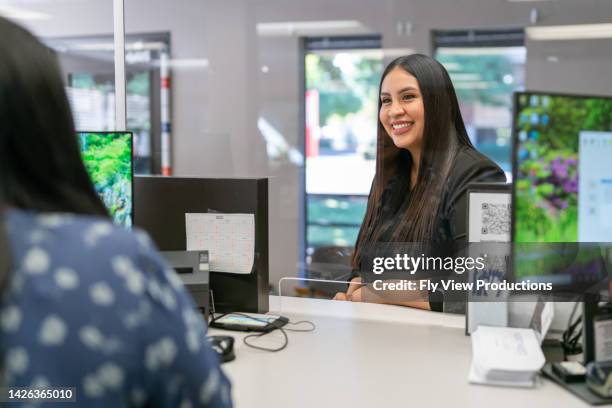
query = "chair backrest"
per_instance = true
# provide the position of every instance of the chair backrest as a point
(329, 263)
(333, 254)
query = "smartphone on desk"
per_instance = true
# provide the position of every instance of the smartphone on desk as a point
(249, 322)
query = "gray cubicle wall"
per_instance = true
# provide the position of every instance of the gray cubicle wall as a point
(160, 205)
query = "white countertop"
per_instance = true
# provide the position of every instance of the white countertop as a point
(370, 355)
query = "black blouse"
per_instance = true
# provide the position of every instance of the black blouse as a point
(469, 166)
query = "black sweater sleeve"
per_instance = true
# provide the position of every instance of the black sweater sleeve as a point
(470, 167)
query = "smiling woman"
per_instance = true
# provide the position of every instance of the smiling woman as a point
(424, 164)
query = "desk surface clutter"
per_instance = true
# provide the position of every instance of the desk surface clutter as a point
(369, 355)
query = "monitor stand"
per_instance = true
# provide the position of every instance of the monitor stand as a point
(589, 310)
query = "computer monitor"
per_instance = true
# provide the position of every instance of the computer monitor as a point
(108, 159)
(562, 208)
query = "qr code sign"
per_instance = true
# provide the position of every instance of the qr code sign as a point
(495, 219)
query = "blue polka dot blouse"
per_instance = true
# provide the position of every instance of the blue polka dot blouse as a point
(94, 307)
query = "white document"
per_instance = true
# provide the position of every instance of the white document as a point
(229, 239)
(542, 319)
(603, 340)
(489, 217)
(505, 356)
(594, 187)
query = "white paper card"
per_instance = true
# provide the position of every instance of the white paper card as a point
(229, 238)
(603, 340)
(489, 217)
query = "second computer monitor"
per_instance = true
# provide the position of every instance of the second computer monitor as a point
(108, 160)
(562, 168)
(562, 209)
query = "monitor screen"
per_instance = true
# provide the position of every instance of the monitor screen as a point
(562, 185)
(563, 172)
(108, 160)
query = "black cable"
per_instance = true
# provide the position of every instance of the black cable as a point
(275, 327)
(572, 335)
(283, 346)
(302, 330)
(571, 318)
(570, 324)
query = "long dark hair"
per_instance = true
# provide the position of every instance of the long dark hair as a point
(443, 134)
(40, 164)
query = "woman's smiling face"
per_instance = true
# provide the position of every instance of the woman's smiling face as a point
(402, 113)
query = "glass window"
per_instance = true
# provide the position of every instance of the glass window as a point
(340, 139)
(486, 67)
(89, 70)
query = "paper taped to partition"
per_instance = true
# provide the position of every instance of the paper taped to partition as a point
(229, 238)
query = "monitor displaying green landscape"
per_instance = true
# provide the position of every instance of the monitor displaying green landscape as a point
(108, 160)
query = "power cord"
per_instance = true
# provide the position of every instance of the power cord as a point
(284, 331)
(573, 334)
(275, 326)
(312, 328)
(273, 350)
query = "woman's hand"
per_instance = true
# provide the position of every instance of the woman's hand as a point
(353, 292)
(340, 296)
(353, 286)
(357, 295)
(356, 292)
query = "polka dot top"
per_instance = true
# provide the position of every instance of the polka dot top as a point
(94, 307)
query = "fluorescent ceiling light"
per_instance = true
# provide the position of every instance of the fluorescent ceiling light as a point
(14, 13)
(185, 63)
(368, 52)
(188, 63)
(570, 32)
(310, 28)
(109, 47)
(480, 50)
(105, 47)
(145, 46)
